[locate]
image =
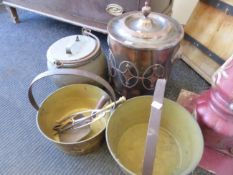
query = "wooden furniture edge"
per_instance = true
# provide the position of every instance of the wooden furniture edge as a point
(102, 30)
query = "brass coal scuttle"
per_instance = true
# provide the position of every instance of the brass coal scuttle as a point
(141, 48)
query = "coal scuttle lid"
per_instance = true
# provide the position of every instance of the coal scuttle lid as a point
(145, 30)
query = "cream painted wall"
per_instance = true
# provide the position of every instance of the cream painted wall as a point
(182, 10)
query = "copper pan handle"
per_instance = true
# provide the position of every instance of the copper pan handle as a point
(76, 72)
(153, 127)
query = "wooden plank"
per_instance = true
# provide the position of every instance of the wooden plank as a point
(213, 28)
(200, 62)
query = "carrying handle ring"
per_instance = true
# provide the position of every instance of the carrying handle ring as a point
(114, 9)
(68, 63)
(75, 72)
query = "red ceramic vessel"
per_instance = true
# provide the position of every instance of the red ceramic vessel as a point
(214, 110)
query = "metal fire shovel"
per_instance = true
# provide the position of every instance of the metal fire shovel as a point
(70, 133)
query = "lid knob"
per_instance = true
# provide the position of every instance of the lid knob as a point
(146, 9)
